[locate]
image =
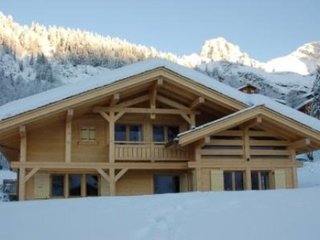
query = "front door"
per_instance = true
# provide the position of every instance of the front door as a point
(166, 184)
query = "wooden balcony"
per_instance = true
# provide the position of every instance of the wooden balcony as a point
(143, 151)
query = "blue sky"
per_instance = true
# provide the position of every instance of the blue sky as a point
(263, 28)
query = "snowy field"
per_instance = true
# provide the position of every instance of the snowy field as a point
(263, 215)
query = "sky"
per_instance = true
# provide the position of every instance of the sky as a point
(265, 29)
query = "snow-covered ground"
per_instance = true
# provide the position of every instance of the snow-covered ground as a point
(273, 214)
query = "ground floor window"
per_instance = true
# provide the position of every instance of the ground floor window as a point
(74, 185)
(92, 185)
(233, 180)
(57, 185)
(166, 184)
(260, 180)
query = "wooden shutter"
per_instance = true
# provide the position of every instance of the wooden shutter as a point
(104, 187)
(41, 186)
(217, 180)
(184, 182)
(280, 178)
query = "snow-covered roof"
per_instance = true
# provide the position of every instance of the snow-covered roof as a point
(304, 103)
(107, 77)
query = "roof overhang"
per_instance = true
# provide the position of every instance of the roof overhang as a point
(255, 113)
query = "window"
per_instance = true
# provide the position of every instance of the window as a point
(166, 184)
(74, 185)
(260, 180)
(135, 133)
(120, 132)
(233, 181)
(158, 133)
(91, 185)
(132, 133)
(88, 134)
(57, 185)
(164, 133)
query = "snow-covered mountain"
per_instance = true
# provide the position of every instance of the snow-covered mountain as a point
(304, 60)
(35, 58)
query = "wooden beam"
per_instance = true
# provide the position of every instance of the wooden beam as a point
(98, 165)
(115, 99)
(196, 102)
(118, 115)
(106, 116)
(124, 104)
(150, 110)
(30, 174)
(120, 174)
(103, 174)
(251, 123)
(68, 138)
(300, 143)
(171, 103)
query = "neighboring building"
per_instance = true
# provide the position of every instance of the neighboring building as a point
(152, 127)
(249, 88)
(306, 105)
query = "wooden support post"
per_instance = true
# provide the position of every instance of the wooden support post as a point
(197, 171)
(246, 156)
(111, 137)
(192, 120)
(294, 168)
(21, 187)
(66, 185)
(112, 182)
(68, 139)
(246, 145)
(294, 177)
(23, 158)
(248, 178)
(23, 144)
(83, 185)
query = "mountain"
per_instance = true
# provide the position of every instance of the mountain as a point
(304, 60)
(35, 58)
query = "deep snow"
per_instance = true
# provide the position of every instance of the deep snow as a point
(263, 215)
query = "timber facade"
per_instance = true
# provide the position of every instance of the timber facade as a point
(155, 131)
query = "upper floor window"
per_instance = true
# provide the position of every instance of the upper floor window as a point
(132, 133)
(88, 134)
(164, 133)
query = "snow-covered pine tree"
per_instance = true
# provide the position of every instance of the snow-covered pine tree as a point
(315, 106)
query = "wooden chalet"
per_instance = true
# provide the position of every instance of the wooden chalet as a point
(151, 127)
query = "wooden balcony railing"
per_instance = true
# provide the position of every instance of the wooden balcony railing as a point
(143, 151)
